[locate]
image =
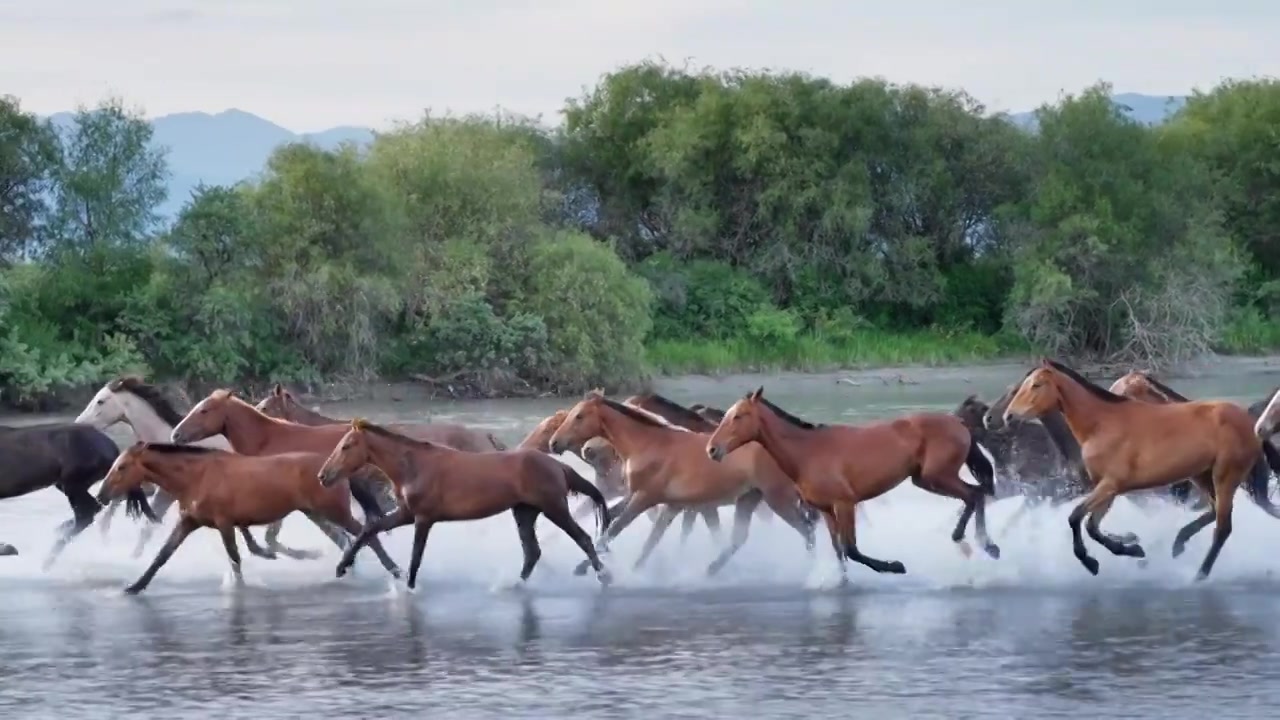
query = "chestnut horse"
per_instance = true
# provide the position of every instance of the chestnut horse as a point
(228, 491)
(439, 484)
(836, 467)
(665, 465)
(1131, 445)
(1142, 386)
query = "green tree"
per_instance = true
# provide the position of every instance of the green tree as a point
(28, 156)
(110, 180)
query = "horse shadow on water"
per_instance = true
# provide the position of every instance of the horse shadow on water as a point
(68, 456)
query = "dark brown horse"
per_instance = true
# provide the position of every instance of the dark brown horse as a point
(439, 484)
(836, 467)
(228, 491)
(1131, 445)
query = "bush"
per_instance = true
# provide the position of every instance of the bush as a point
(702, 298)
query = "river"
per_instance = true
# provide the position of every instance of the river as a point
(1029, 635)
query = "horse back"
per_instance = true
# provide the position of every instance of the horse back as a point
(451, 435)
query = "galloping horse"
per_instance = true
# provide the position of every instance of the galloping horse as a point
(665, 465)
(838, 466)
(142, 406)
(1131, 445)
(225, 490)
(439, 484)
(68, 456)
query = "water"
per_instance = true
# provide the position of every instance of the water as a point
(1030, 635)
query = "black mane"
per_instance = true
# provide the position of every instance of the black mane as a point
(637, 415)
(1099, 392)
(178, 449)
(149, 394)
(675, 408)
(802, 424)
(1165, 390)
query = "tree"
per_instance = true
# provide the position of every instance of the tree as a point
(109, 181)
(28, 156)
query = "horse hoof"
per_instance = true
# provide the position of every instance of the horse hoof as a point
(581, 569)
(894, 567)
(341, 570)
(1090, 564)
(605, 578)
(993, 550)
(1201, 576)
(132, 590)
(1135, 550)
(396, 574)
(1142, 563)
(7, 550)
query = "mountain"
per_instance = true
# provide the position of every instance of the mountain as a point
(233, 145)
(223, 149)
(1147, 109)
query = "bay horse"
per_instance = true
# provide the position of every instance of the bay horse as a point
(1143, 386)
(1132, 445)
(145, 409)
(436, 484)
(665, 465)
(836, 467)
(68, 456)
(225, 490)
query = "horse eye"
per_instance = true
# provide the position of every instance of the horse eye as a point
(102, 401)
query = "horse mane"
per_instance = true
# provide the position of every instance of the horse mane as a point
(1164, 389)
(642, 416)
(150, 395)
(366, 426)
(802, 424)
(165, 448)
(673, 407)
(1099, 392)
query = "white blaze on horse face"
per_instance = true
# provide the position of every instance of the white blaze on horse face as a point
(1266, 425)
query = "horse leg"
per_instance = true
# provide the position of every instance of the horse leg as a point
(1226, 478)
(558, 514)
(1102, 492)
(974, 499)
(787, 505)
(180, 532)
(711, 516)
(109, 512)
(665, 515)
(837, 545)
(686, 524)
(1205, 483)
(85, 509)
(345, 520)
(743, 509)
(399, 518)
(233, 552)
(252, 545)
(160, 504)
(421, 530)
(847, 517)
(1100, 511)
(275, 546)
(526, 526)
(632, 507)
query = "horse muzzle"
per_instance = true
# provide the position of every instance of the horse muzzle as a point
(327, 477)
(715, 452)
(178, 438)
(558, 446)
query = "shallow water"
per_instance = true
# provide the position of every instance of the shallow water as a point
(1030, 635)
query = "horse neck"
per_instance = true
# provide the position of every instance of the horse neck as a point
(249, 431)
(146, 424)
(631, 438)
(400, 462)
(172, 473)
(782, 441)
(1080, 408)
(307, 416)
(528, 444)
(1060, 435)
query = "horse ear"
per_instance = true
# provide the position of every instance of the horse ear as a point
(359, 424)
(755, 394)
(593, 394)
(278, 390)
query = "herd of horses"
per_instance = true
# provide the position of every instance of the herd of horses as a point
(1054, 436)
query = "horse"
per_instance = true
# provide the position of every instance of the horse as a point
(1132, 445)
(224, 490)
(603, 458)
(665, 465)
(836, 467)
(436, 483)
(142, 406)
(713, 414)
(1268, 418)
(68, 456)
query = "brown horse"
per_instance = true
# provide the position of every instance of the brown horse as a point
(439, 484)
(1131, 445)
(836, 467)
(607, 464)
(665, 465)
(228, 491)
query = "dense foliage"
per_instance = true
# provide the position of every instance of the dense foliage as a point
(704, 219)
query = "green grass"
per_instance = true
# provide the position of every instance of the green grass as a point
(810, 352)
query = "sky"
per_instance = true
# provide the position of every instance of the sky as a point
(314, 64)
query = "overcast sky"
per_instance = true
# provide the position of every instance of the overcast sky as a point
(312, 64)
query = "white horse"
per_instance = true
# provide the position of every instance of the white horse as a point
(139, 405)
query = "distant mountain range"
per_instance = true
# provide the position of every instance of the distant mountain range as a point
(230, 146)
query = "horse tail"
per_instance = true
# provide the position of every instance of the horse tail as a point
(980, 466)
(1258, 484)
(579, 485)
(495, 442)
